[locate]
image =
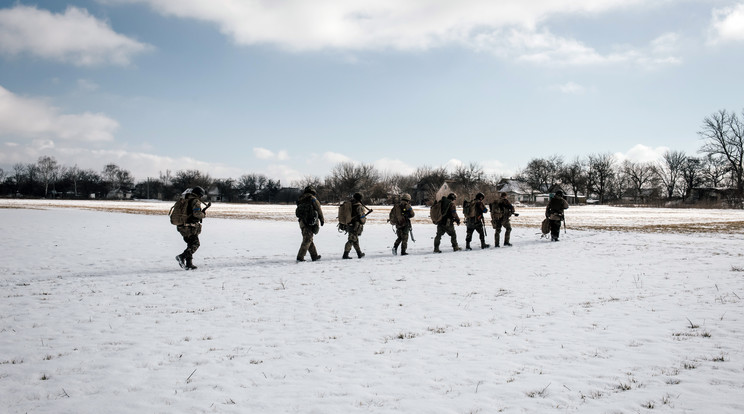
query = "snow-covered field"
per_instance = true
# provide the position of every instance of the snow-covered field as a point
(96, 316)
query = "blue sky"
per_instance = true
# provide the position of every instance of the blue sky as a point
(291, 88)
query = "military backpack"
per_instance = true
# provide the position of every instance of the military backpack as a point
(468, 209)
(344, 215)
(396, 216)
(306, 212)
(179, 213)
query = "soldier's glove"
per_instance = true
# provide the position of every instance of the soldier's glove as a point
(516, 214)
(322, 222)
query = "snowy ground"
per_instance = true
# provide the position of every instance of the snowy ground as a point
(96, 316)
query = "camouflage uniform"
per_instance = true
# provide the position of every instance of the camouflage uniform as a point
(476, 223)
(403, 225)
(554, 213)
(355, 228)
(501, 211)
(309, 229)
(190, 230)
(447, 225)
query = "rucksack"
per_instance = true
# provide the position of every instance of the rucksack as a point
(179, 213)
(496, 211)
(545, 227)
(396, 215)
(306, 212)
(439, 209)
(468, 209)
(344, 213)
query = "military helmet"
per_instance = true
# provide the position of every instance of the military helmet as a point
(503, 194)
(480, 196)
(405, 197)
(358, 196)
(559, 193)
(452, 196)
(310, 190)
(198, 191)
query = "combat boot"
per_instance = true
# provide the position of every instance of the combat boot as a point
(316, 258)
(360, 255)
(484, 245)
(456, 248)
(346, 255)
(467, 246)
(403, 253)
(395, 250)
(181, 261)
(189, 264)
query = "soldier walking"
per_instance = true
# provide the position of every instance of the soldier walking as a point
(475, 221)
(400, 217)
(355, 227)
(192, 227)
(554, 213)
(310, 216)
(446, 224)
(501, 210)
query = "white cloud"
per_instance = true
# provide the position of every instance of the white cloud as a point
(73, 37)
(569, 88)
(335, 158)
(391, 166)
(265, 154)
(642, 153)
(727, 24)
(35, 118)
(453, 164)
(508, 28)
(87, 85)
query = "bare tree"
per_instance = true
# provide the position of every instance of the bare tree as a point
(601, 171)
(47, 168)
(542, 173)
(428, 182)
(723, 133)
(669, 170)
(470, 178)
(715, 170)
(692, 175)
(640, 176)
(191, 178)
(348, 178)
(574, 175)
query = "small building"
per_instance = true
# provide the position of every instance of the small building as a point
(518, 191)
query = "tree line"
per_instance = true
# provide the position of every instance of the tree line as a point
(719, 164)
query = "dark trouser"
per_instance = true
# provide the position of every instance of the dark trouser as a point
(402, 240)
(506, 224)
(555, 229)
(445, 226)
(354, 230)
(475, 225)
(307, 243)
(190, 234)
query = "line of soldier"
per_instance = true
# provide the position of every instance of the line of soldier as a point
(400, 216)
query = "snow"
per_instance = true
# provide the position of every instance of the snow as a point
(96, 316)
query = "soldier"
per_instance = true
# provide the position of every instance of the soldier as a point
(400, 217)
(191, 229)
(501, 210)
(475, 222)
(310, 216)
(446, 224)
(554, 213)
(355, 228)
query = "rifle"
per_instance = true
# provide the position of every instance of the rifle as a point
(565, 228)
(410, 229)
(483, 223)
(209, 204)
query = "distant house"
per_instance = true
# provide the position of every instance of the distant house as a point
(712, 194)
(119, 194)
(516, 190)
(214, 193)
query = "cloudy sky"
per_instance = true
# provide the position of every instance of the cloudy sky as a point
(291, 88)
